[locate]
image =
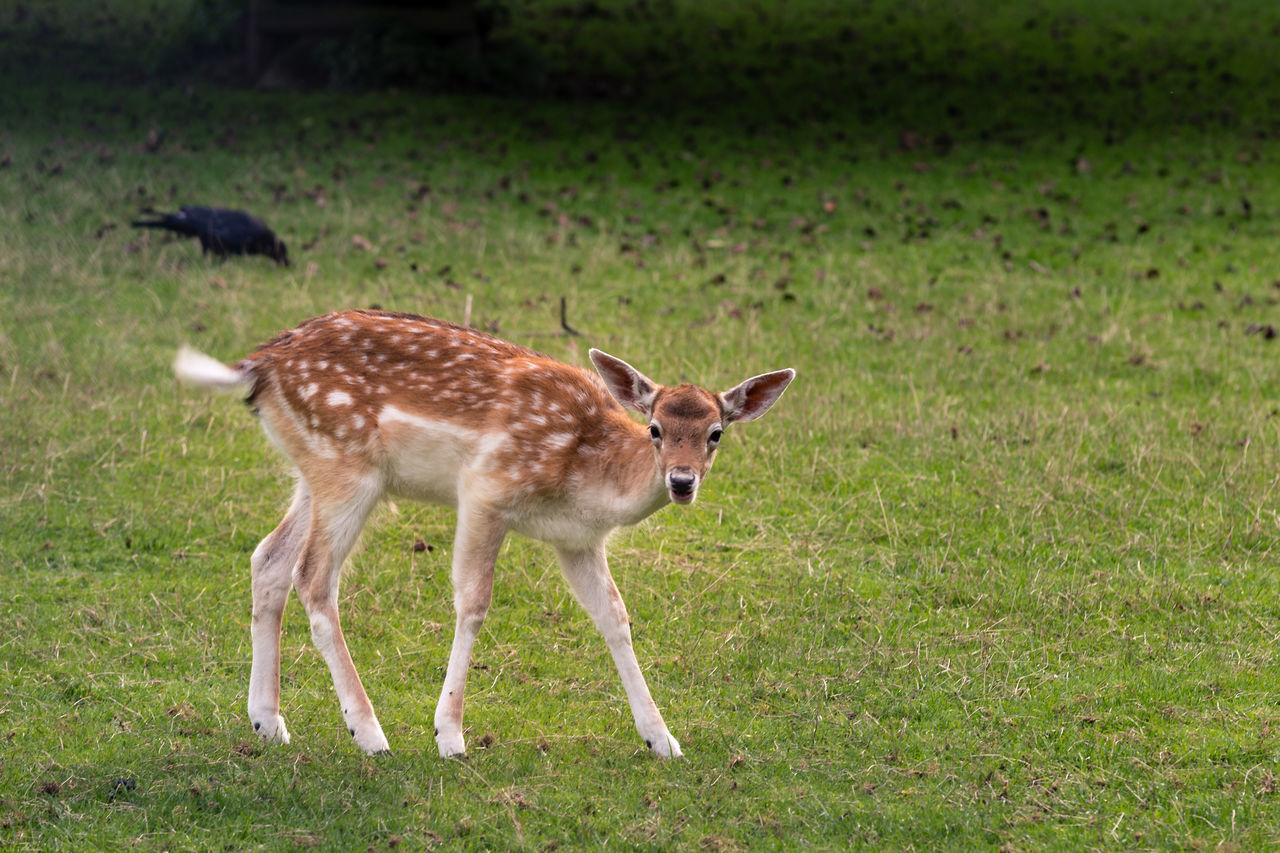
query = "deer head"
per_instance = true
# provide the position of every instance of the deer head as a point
(686, 422)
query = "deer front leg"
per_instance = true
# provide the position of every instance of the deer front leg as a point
(475, 550)
(588, 575)
(272, 566)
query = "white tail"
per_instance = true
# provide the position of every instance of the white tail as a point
(199, 369)
(369, 403)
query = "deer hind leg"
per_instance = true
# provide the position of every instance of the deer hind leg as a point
(588, 574)
(272, 565)
(476, 545)
(336, 522)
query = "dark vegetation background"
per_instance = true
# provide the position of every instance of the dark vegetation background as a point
(942, 71)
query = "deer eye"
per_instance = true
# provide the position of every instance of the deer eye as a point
(655, 433)
(714, 438)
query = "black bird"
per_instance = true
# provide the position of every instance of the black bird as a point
(221, 231)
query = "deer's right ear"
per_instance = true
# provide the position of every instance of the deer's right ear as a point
(630, 387)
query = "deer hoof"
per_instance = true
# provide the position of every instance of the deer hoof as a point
(372, 742)
(271, 729)
(451, 746)
(665, 746)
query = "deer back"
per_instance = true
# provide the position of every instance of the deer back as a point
(445, 413)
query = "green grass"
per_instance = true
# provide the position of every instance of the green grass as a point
(997, 572)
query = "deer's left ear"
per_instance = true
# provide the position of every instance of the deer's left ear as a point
(749, 400)
(630, 387)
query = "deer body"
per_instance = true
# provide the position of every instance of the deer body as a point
(367, 404)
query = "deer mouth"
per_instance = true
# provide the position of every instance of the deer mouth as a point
(682, 486)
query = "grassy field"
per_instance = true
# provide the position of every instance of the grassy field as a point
(997, 573)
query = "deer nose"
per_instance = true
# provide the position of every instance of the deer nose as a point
(682, 483)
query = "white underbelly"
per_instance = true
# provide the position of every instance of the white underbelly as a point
(424, 458)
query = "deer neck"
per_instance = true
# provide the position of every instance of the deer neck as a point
(628, 479)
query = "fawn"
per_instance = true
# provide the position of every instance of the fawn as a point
(370, 403)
